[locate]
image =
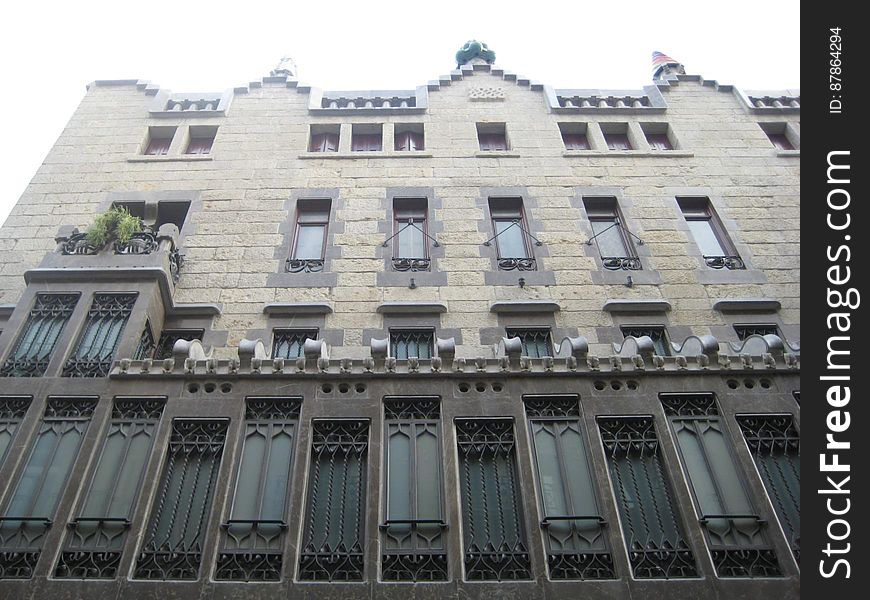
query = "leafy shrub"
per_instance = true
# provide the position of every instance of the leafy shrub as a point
(115, 223)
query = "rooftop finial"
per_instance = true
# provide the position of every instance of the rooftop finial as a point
(665, 65)
(285, 66)
(474, 52)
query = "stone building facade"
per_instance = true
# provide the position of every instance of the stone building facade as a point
(483, 337)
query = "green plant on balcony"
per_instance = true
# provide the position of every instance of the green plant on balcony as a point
(115, 224)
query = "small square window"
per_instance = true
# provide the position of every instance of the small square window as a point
(744, 331)
(409, 138)
(780, 135)
(657, 135)
(324, 138)
(159, 141)
(289, 343)
(492, 136)
(656, 333)
(616, 136)
(412, 343)
(367, 138)
(201, 140)
(536, 342)
(574, 136)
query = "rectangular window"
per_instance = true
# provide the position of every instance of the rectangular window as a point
(96, 347)
(367, 138)
(309, 238)
(779, 135)
(159, 141)
(492, 136)
(616, 136)
(709, 234)
(409, 138)
(574, 530)
(610, 234)
(333, 537)
(414, 528)
(735, 532)
(654, 537)
(253, 538)
(410, 231)
(744, 331)
(45, 323)
(145, 348)
(574, 136)
(12, 410)
(511, 235)
(657, 136)
(201, 139)
(168, 337)
(658, 335)
(289, 343)
(324, 138)
(30, 509)
(96, 537)
(536, 342)
(775, 445)
(177, 526)
(412, 343)
(493, 530)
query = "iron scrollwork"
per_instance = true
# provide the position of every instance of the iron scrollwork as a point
(143, 242)
(517, 264)
(624, 263)
(411, 264)
(46, 321)
(552, 406)
(96, 348)
(78, 244)
(176, 261)
(303, 265)
(689, 405)
(732, 263)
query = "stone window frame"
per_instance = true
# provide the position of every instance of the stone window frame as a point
(647, 275)
(412, 130)
(369, 130)
(325, 278)
(277, 319)
(422, 320)
(788, 129)
(431, 278)
(180, 136)
(726, 332)
(613, 334)
(492, 129)
(323, 129)
(660, 128)
(575, 128)
(152, 200)
(200, 132)
(491, 336)
(666, 337)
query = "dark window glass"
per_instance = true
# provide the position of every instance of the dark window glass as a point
(288, 343)
(657, 334)
(536, 342)
(744, 331)
(494, 536)
(96, 347)
(575, 141)
(659, 141)
(654, 539)
(168, 338)
(176, 530)
(96, 539)
(332, 540)
(411, 343)
(146, 343)
(12, 410)
(780, 141)
(366, 142)
(323, 142)
(617, 141)
(32, 350)
(414, 528)
(409, 141)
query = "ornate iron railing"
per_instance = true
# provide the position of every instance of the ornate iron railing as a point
(78, 244)
(96, 347)
(289, 343)
(12, 410)
(732, 263)
(144, 242)
(624, 263)
(409, 343)
(411, 264)
(303, 265)
(167, 340)
(536, 342)
(45, 323)
(517, 264)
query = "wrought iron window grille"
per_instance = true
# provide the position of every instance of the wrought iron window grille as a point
(551, 406)
(535, 342)
(12, 411)
(617, 263)
(303, 265)
(412, 343)
(45, 323)
(168, 337)
(145, 348)
(289, 343)
(514, 223)
(656, 334)
(515, 263)
(731, 263)
(744, 331)
(102, 331)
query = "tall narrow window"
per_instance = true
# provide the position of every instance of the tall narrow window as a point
(574, 530)
(168, 337)
(173, 540)
(253, 538)
(12, 410)
(324, 138)
(409, 138)
(536, 342)
(775, 445)
(367, 138)
(96, 539)
(309, 239)
(102, 332)
(29, 512)
(492, 137)
(659, 337)
(735, 532)
(145, 348)
(610, 235)
(410, 231)
(709, 234)
(289, 343)
(493, 531)
(511, 235)
(332, 543)
(414, 529)
(412, 343)
(654, 537)
(45, 323)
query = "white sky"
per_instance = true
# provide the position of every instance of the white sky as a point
(51, 49)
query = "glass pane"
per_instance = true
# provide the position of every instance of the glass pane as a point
(706, 238)
(552, 487)
(609, 238)
(58, 470)
(724, 469)
(7, 430)
(411, 243)
(250, 473)
(309, 242)
(278, 473)
(28, 484)
(132, 472)
(399, 500)
(104, 478)
(696, 466)
(511, 240)
(428, 473)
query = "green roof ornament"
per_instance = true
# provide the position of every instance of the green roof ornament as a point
(474, 49)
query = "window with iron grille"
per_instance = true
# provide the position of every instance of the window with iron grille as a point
(658, 335)
(654, 536)
(177, 526)
(492, 136)
(168, 337)
(30, 509)
(412, 343)
(493, 530)
(413, 530)
(709, 234)
(536, 341)
(744, 331)
(409, 138)
(333, 538)
(410, 235)
(309, 238)
(511, 235)
(103, 328)
(96, 536)
(146, 345)
(45, 323)
(775, 445)
(289, 343)
(610, 235)
(253, 538)
(735, 532)
(571, 521)
(12, 410)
